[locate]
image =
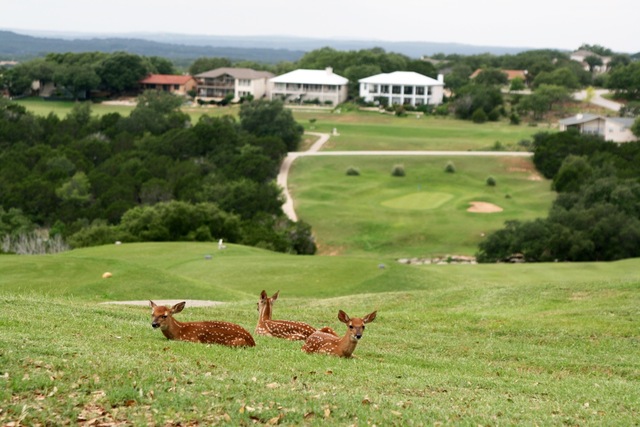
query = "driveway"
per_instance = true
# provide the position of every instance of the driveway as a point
(598, 99)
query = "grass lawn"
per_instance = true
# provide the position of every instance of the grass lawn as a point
(552, 344)
(374, 131)
(421, 214)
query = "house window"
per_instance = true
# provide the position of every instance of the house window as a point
(176, 87)
(384, 89)
(396, 89)
(408, 90)
(373, 89)
(419, 90)
(244, 82)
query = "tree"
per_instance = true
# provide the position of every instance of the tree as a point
(593, 61)
(543, 99)
(270, 118)
(201, 65)
(625, 80)
(517, 84)
(122, 72)
(492, 76)
(635, 128)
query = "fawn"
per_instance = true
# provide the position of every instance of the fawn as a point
(215, 332)
(326, 341)
(279, 328)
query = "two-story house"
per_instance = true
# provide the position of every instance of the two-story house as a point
(402, 88)
(239, 82)
(323, 86)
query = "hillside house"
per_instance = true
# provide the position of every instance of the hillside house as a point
(614, 129)
(215, 85)
(322, 86)
(581, 55)
(402, 88)
(175, 84)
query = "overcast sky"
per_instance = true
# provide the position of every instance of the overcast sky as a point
(558, 24)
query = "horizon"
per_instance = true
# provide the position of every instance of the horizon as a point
(549, 25)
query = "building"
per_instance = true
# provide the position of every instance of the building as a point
(321, 86)
(177, 85)
(217, 84)
(402, 88)
(614, 129)
(582, 55)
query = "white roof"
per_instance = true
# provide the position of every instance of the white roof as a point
(315, 77)
(402, 78)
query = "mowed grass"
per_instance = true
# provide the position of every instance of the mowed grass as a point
(552, 344)
(363, 130)
(424, 213)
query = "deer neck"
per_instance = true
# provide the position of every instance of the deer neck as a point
(347, 345)
(172, 329)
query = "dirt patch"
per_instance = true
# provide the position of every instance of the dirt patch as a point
(190, 302)
(483, 207)
(521, 165)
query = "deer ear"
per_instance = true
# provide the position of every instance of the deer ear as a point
(152, 304)
(263, 294)
(343, 317)
(370, 317)
(178, 307)
(275, 296)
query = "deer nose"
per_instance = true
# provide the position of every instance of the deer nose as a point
(358, 336)
(154, 325)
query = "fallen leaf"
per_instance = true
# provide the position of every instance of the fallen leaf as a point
(273, 385)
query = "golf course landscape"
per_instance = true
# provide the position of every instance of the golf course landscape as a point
(452, 344)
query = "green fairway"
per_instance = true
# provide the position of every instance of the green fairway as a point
(422, 214)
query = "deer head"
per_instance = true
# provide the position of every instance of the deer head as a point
(161, 315)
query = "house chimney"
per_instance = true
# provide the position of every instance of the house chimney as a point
(329, 70)
(441, 78)
(579, 116)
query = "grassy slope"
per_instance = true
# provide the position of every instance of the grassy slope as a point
(508, 344)
(549, 344)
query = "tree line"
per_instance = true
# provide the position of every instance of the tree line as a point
(153, 175)
(550, 74)
(596, 215)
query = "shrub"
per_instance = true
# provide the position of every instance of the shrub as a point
(353, 171)
(514, 119)
(398, 170)
(479, 116)
(450, 167)
(491, 181)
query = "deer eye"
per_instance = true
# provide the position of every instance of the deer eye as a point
(363, 327)
(164, 316)
(350, 326)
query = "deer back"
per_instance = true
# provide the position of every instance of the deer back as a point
(209, 332)
(286, 329)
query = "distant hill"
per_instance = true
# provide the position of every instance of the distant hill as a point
(181, 47)
(19, 46)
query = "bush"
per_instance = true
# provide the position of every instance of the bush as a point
(491, 181)
(514, 119)
(353, 171)
(398, 170)
(450, 167)
(479, 116)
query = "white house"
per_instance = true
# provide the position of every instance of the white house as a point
(614, 129)
(402, 88)
(309, 85)
(581, 56)
(217, 84)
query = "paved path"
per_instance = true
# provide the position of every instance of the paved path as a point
(288, 207)
(598, 99)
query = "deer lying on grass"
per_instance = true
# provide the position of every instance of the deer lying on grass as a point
(326, 341)
(212, 332)
(279, 328)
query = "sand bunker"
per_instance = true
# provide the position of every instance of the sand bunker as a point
(483, 207)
